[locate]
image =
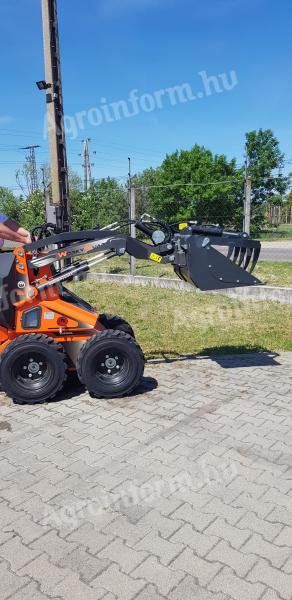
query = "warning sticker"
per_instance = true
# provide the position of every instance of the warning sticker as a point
(155, 257)
(49, 316)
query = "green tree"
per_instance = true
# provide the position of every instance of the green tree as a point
(75, 181)
(32, 211)
(105, 202)
(109, 201)
(81, 209)
(9, 204)
(287, 208)
(143, 183)
(78, 216)
(265, 161)
(195, 184)
(288, 200)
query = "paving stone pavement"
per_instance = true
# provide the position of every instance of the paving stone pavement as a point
(182, 491)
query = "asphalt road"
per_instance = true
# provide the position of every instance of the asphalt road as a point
(277, 251)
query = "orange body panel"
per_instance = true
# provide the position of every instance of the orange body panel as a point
(3, 335)
(63, 320)
(77, 318)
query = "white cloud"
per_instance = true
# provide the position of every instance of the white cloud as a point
(6, 119)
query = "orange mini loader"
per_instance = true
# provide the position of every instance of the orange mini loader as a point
(46, 330)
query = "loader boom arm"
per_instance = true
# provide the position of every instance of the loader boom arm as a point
(194, 251)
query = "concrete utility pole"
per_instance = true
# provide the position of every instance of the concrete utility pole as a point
(132, 216)
(32, 175)
(247, 205)
(247, 197)
(56, 130)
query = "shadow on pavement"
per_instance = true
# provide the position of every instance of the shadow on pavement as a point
(74, 388)
(260, 358)
(229, 357)
(148, 384)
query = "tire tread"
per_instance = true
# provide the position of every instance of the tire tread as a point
(49, 341)
(115, 322)
(103, 335)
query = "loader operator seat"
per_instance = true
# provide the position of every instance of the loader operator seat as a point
(7, 289)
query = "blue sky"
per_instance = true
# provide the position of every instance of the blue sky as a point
(110, 47)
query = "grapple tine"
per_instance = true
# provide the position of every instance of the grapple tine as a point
(179, 272)
(236, 254)
(241, 256)
(230, 252)
(210, 268)
(249, 253)
(256, 254)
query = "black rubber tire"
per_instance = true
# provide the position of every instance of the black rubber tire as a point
(116, 323)
(116, 346)
(13, 363)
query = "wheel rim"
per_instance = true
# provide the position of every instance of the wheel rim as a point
(32, 371)
(111, 367)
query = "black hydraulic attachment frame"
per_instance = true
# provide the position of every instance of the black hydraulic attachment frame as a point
(203, 255)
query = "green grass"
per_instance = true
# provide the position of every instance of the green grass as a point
(283, 232)
(278, 274)
(170, 323)
(272, 273)
(148, 268)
